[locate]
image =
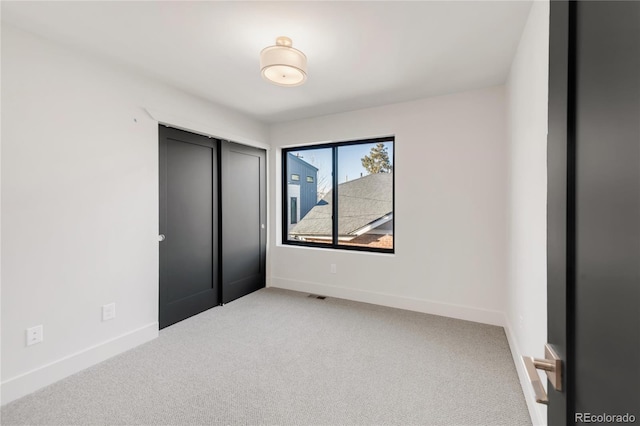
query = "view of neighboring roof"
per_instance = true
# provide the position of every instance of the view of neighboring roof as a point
(361, 203)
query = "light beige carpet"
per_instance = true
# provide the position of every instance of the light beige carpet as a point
(280, 357)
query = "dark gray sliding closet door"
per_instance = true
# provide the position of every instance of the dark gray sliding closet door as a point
(189, 274)
(243, 178)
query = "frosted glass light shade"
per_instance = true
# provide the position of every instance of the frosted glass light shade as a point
(282, 64)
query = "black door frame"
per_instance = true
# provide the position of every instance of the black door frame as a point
(560, 203)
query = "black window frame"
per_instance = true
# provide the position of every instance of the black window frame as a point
(334, 245)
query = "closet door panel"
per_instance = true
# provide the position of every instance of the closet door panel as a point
(188, 225)
(243, 177)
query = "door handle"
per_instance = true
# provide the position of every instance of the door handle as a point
(161, 237)
(552, 365)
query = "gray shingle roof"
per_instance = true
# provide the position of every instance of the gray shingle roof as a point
(360, 202)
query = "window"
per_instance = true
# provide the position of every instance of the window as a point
(294, 210)
(295, 177)
(358, 214)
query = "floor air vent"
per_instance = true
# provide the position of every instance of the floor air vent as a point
(315, 296)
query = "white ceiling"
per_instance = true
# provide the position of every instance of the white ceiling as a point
(360, 54)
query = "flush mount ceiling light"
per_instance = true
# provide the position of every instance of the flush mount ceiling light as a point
(282, 64)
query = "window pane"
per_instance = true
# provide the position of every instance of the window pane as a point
(365, 195)
(311, 222)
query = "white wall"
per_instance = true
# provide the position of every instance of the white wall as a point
(450, 211)
(80, 205)
(527, 94)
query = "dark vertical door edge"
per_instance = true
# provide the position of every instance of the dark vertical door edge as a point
(559, 157)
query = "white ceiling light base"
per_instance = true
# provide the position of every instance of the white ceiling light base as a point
(282, 64)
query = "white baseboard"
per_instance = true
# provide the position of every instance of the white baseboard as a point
(26, 383)
(537, 412)
(467, 313)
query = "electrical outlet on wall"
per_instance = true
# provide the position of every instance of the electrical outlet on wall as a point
(35, 335)
(108, 312)
(520, 321)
